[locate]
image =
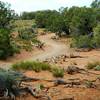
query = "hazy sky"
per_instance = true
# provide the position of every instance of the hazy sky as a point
(33, 5)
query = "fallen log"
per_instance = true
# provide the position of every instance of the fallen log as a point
(74, 69)
(5, 98)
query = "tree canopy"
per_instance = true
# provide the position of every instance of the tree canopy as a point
(6, 15)
(95, 4)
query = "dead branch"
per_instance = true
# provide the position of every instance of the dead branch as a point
(74, 69)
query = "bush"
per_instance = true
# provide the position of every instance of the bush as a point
(96, 38)
(97, 68)
(86, 41)
(57, 72)
(22, 65)
(35, 41)
(82, 41)
(27, 37)
(6, 48)
(29, 65)
(37, 67)
(27, 33)
(16, 48)
(92, 65)
(6, 15)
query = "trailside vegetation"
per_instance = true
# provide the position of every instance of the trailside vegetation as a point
(6, 16)
(82, 23)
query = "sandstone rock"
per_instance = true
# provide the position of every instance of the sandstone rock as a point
(68, 97)
(72, 69)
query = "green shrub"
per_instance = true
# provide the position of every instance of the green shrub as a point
(34, 41)
(86, 41)
(89, 84)
(6, 17)
(45, 66)
(82, 41)
(16, 48)
(97, 68)
(23, 66)
(29, 65)
(6, 48)
(96, 38)
(92, 65)
(20, 24)
(57, 72)
(37, 67)
(27, 33)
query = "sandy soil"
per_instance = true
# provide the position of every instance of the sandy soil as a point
(56, 92)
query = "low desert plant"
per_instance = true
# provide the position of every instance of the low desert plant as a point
(26, 34)
(31, 65)
(37, 67)
(97, 68)
(82, 42)
(22, 65)
(35, 41)
(96, 39)
(57, 72)
(93, 65)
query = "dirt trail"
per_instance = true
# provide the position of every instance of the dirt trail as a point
(54, 49)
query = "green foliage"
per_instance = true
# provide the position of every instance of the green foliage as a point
(57, 72)
(26, 34)
(76, 20)
(52, 21)
(27, 37)
(87, 41)
(42, 86)
(6, 48)
(97, 11)
(35, 41)
(97, 68)
(6, 15)
(37, 67)
(82, 42)
(92, 65)
(22, 65)
(10, 80)
(57, 24)
(28, 15)
(23, 24)
(97, 36)
(95, 4)
(43, 16)
(16, 48)
(28, 65)
(83, 20)
(88, 84)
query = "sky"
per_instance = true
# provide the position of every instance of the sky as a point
(34, 5)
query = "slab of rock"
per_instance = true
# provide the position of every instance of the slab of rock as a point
(72, 69)
(68, 97)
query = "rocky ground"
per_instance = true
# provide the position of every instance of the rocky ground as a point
(59, 53)
(80, 91)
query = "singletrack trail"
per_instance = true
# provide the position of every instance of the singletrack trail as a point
(55, 49)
